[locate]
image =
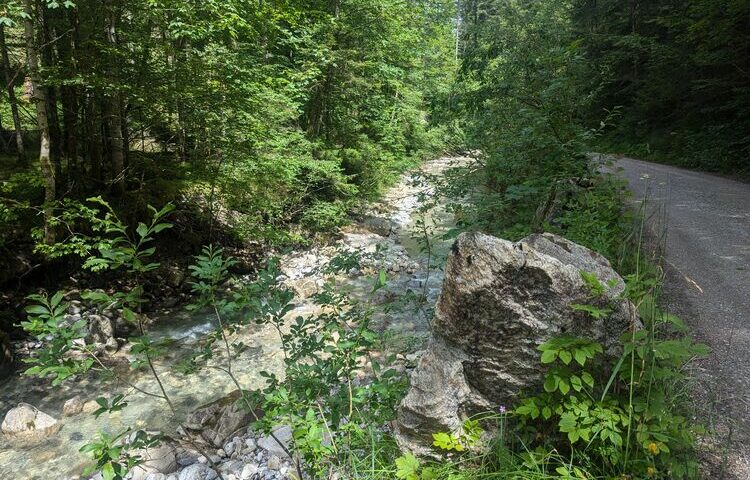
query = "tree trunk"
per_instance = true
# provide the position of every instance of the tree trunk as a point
(47, 57)
(9, 83)
(71, 106)
(39, 98)
(114, 119)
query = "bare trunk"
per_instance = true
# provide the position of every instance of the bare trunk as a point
(114, 118)
(20, 151)
(39, 98)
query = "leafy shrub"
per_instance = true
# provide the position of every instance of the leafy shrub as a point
(325, 216)
(621, 417)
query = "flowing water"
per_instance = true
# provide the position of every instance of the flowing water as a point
(401, 254)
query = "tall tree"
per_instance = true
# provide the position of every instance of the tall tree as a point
(39, 98)
(10, 79)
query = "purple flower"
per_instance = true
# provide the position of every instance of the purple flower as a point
(503, 410)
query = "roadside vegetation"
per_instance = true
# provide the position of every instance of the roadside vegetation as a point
(238, 125)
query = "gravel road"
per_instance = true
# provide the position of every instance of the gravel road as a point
(703, 221)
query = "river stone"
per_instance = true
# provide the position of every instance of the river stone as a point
(27, 422)
(72, 406)
(220, 419)
(102, 331)
(284, 434)
(248, 471)
(500, 301)
(161, 459)
(378, 225)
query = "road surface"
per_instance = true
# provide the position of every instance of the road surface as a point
(703, 221)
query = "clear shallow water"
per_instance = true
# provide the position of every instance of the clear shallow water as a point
(57, 458)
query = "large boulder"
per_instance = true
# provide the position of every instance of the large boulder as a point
(500, 301)
(26, 422)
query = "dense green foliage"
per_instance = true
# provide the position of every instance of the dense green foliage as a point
(679, 70)
(256, 115)
(268, 121)
(524, 92)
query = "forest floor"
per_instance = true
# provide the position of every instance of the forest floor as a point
(702, 224)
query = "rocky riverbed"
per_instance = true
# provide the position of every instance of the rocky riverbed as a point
(392, 236)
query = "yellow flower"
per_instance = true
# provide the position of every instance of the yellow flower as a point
(653, 448)
(651, 471)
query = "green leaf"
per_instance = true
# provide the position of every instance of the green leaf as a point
(142, 230)
(566, 357)
(108, 471)
(549, 356)
(407, 467)
(550, 383)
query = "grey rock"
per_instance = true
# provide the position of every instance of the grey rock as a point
(27, 422)
(232, 466)
(155, 460)
(500, 301)
(274, 463)
(378, 225)
(229, 448)
(283, 434)
(102, 331)
(250, 444)
(186, 457)
(248, 471)
(197, 471)
(218, 420)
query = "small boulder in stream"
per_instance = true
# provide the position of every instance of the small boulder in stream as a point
(220, 419)
(500, 301)
(102, 331)
(26, 422)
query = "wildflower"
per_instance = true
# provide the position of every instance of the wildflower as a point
(653, 448)
(502, 409)
(650, 471)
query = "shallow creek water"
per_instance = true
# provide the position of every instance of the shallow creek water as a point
(400, 254)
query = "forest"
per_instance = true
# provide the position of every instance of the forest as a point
(159, 156)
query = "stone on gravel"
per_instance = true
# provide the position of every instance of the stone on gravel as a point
(197, 471)
(250, 444)
(274, 463)
(500, 301)
(27, 422)
(248, 471)
(284, 434)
